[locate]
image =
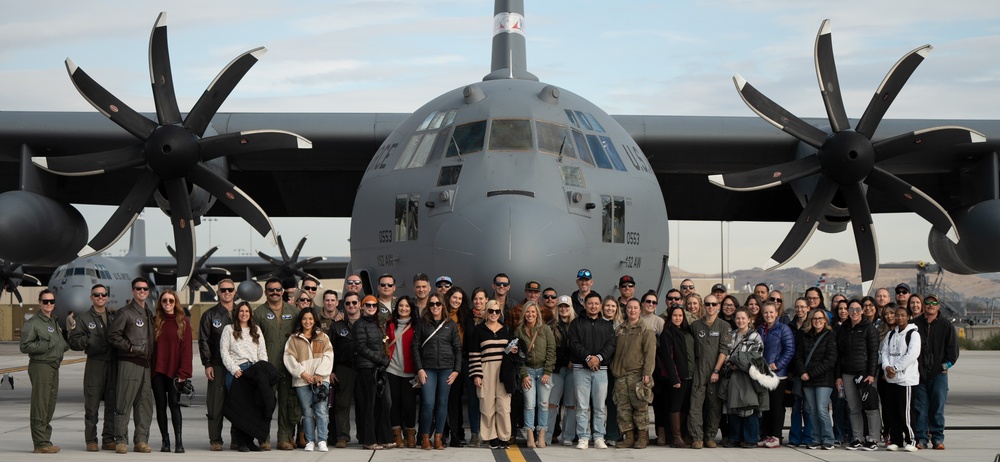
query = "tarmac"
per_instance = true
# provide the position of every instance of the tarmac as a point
(972, 428)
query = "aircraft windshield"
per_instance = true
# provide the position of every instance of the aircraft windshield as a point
(555, 139)
(510, 135)
(468, 138)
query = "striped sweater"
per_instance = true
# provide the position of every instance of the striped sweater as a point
(486, 346)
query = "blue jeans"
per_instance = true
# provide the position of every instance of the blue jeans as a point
(434, 401)
(315, 415)
(563, 391)
(591, 387)
(744, 429)
(800, 429)
(817, 402)
(841, 419)
(537, 397)
(928, 409)
(229, 375)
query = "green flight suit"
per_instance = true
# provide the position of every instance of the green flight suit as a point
(42, 341)
(99, 375)
(276, 327)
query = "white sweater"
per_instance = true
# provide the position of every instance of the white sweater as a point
(902, 357)
(235, 352)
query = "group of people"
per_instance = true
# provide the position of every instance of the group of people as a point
(580, 369)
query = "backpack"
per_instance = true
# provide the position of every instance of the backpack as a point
(925, 362)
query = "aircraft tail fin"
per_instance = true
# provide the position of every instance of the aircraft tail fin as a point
(137, 242)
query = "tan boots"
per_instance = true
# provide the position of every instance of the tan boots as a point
(411, 437)
(425, 441)
(540, 441)
(397, 436)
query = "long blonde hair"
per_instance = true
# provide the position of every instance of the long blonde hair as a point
(179, 317)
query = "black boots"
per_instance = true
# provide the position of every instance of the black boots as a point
(179, 448)
(166, 444)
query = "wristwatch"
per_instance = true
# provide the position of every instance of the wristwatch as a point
(715, 371)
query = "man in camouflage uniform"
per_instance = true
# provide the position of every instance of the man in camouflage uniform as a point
(89, 333)
(42, 341)
(632, 365)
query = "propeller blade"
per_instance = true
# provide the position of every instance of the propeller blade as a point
(125, 215)
(184, 237)
(922, 140)
(202, 282)
(889, 88)
(777, 115)
(204, 258)
(304, 275)
(17, 295)
(915, 200)
(250, 141)
(298, 249)
(171, 251)
(768, 177)
(107, 104)
(308, 261)
(266, 276)
(160, 75)
(864, 233)
(270, 259)
(214, 271)
(232, 197)
(281, 247)
(93, 163)
(829, 82)
(805, 224)
(201, 114)
(36, 281)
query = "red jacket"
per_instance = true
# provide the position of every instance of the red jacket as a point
(407, 341)
(171, 356)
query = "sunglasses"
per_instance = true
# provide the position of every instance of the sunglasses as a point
(311, 289)
(47, 301)
(775, 299)
(711, 303)
(901, 292)
(141, 289)
(303, 300)
(99, 294)
(371, 305)
(674, 299)
(434, 304)
(386, 284)
(819, 319)
(444, 285)
(227, 290)
(550, 297)
(167, 301)
(931, 303)
(856, 310)
(687, 287)
(493, 311)
(354, 283)
(275, 290)
(501, 284)
(627, 286)
(649, 302)
(351, 302)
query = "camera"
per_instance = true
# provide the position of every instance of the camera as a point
(320, 392)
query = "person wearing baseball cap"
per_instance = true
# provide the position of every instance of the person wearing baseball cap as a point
(563, 387)
(902, 294)
(443, 283)
(584, 282)
(720, 291)
(626, 289)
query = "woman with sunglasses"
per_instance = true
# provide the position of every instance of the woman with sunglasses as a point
(309, 359)
(402, 373)
(779, 349)
(648, 316)
(474, 316)
(817, 375)
(858, 351)
(437, 356)
(171, 365)
(371, 397)
(304, 301)
(563, 391)
(536, 373)
(490, 343)
(242, 345)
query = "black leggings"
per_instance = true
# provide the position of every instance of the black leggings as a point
(165, 393)
(773, 420)
(403, 411)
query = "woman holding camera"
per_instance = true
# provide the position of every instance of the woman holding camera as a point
(172, 365)
(309, 359)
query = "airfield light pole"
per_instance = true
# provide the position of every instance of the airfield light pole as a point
(210, 220)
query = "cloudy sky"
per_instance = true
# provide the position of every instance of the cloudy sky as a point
(634, 57)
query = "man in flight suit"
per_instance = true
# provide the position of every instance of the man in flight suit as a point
(132, 336)
(276, 320)
(42, 341)
(213, 321)
(89, 333)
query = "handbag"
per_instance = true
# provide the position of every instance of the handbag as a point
(797, 381)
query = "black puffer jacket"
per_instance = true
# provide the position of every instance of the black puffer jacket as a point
(442, 351)
(857, 349)
(369, 350)
(821, 368)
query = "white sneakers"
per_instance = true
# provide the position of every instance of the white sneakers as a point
(583, 443)
(910, 448)
(321, 446)
(309, 447)
(600, 444)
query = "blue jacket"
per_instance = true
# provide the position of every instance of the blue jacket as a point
(779, 347)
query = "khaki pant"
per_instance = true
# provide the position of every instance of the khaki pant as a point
(135, 395)
(494, 404)
(44, 391)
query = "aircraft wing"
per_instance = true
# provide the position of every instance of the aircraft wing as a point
(682, 150)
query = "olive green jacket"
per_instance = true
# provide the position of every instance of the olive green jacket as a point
(42, 340)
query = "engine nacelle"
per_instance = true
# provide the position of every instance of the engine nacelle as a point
(977, 250)
(38, 230)
(250, 291)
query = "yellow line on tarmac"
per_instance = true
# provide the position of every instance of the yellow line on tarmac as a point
(24, 368)
(514, 454)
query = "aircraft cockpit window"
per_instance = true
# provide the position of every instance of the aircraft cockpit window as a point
(407, 206)
(468, 138)
(583, 121)
(572, 118)
(597, 149)
(91, 272)
(436, 121)
(572, 176)
(442, 139)
(423, 125)
(594, 123)
(449, 175)
(613, 219)
(79, 271)
(555, 139)
(450, 118)
(616, 159)
(510, 135)
(581, 144)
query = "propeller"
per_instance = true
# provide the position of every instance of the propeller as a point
(173, 152)
(846, 159)
(11, 276)
(199, 272)
(289, 266)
